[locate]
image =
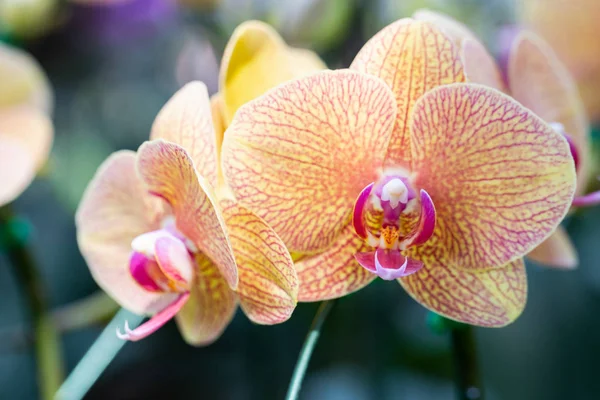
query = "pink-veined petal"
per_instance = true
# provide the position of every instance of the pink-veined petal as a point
(210, 308)
(268, 288)
(538, 80)
(490, 298)
(479, 65)
(187, 120)
(155, 322)
(501, 179)
(168, 172)
(412, 57)
(299, 155)
(335, 272)
(114, 210)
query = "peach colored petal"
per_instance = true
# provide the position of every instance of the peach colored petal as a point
(412, 57)
(17, 170)
(23, 80)
(490, 298)
(304, 61)
(31, 129)
(257, 59)
(572, 30)
(455, 30)
(335, 272)
(115, 209)
(557, 251)
(300, 155)
(268, 287)
(187, 120)
(539, 81)
(210, 308)
(479, 65)
(500, 178)
(168, 172)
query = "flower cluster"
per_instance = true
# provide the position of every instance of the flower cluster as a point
(294, 183)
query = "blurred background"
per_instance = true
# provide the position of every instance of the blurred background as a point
(113, 64)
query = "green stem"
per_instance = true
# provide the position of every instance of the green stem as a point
(307, 349)
(468, 383)
(97, 358)
(93, 309)
(46, 339)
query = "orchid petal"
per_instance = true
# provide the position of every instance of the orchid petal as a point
(255, 60)
(23, 81)
(154, 323)
(538, 80)
(300, 155)
(31, 129)
(114, 210)
(168, 172)
(211, 306)
(501, 178)
(479, 65)
(490, 298)
(557, 251)
(412, 57)
(268, 287)
(572, 32)
(187, 120)
(17, 170)
(335, 272)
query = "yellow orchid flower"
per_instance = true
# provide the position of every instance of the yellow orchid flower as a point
(161, 241)
(395, 168)
(255, 60)
(571, 28)
(26, 131)
(536, 78)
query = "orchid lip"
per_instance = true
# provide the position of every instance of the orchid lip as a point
(161, 262)
(426, 225)
(388, 264)
(359, 208)
(154, 323)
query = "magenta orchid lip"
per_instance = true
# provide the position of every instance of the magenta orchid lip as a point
(379, 217)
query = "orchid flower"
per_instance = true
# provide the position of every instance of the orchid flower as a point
(26, 131)
(255, 60)
(535, 77)
(396, 168)
(575, 41)
(162, 237)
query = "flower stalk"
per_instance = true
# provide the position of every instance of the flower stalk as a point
(468, 382)
(307, 349)
(50, 365)
(97, 358)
